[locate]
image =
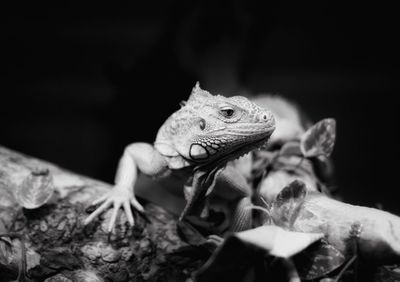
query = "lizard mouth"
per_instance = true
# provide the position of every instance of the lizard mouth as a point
(245, 146)
(235, 152)
(244, 149)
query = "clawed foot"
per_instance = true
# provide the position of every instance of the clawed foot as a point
(118, 197)
(215, 240)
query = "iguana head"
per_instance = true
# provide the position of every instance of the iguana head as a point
(209, 128)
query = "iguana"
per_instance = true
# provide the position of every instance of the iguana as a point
(193, 145)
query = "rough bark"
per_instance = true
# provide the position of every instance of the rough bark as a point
(59, 248)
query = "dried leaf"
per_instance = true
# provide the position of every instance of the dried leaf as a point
(35, 190)
(6, 252)
(318, 260)
(319, 139)
(15, 257)
(387, 273)
(54, 261)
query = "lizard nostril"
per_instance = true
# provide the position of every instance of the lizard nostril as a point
(265, 117)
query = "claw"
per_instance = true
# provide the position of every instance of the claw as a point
(98, 211)
(113, 217)
(215, 239)
(119, 197)
(101, 199)
(137, 205)
(129, 214)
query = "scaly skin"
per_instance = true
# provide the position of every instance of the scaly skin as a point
(194, 144)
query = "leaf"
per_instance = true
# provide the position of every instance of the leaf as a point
(242, 215)
(318, 260)
(288, 203)
(288, 208)
(232, 261)
(290, 148)
(277, 241)
(35, 190)
(319, 139)
(242, 250)
(327, 279)
(15, 257)
(32, 259)
(54, 261)
(190, 234)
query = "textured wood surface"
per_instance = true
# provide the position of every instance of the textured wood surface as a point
(59, 248)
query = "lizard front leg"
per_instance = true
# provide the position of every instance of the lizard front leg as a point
(140, 157)
(234, 187)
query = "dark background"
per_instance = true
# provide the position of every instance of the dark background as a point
(81, 82)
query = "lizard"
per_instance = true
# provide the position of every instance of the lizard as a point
(194, 146)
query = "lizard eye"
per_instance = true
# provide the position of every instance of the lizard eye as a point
(202, 124)
(227, 112)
